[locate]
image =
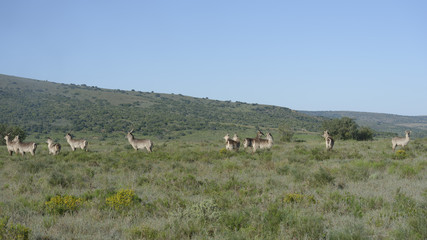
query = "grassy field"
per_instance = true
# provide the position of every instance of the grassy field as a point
(196, 189)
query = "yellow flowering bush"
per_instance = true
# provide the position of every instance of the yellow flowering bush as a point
(400, 154)
(223, 151)
(62, 204)
(122, 199)
(297, 198)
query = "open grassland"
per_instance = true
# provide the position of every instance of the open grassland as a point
(198, 190)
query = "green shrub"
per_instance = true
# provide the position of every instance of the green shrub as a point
(274, 216)
(418, 224)
(143, 232)
(236, 220)
(351, 231)
(404, 170)
(33, 167)
(308, 226)
(321, 177)
(13, 231)
(204, 210)
(404, 205)
(355, 172)
(300, 225)
(58, 179)
(319, 154)
(284, 170)
(299, 173)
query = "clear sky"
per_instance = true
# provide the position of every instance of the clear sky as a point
(361, 55)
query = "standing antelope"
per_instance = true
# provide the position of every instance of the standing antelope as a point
(398, 141)
(329, 141)
(263, 143)
(54, 148)
(76, 143)
(139, 143)
(232, 144)
(249, 141)
(11, 146)
(24, 147)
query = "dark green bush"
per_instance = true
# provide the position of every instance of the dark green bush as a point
(12, 131)
(346, 128)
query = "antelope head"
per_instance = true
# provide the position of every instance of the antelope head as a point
(130, 135)
(226, 137)
(325, 133)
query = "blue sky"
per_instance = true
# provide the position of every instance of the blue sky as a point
(305, 55)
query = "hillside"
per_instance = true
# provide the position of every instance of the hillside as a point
(42, 106)
(380, 121)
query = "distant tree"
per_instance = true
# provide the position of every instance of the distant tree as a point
(286, 133)
(365, 133)
(341, 128)
(12, 131)
(346, 128)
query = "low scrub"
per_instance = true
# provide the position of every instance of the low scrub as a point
(9, 230)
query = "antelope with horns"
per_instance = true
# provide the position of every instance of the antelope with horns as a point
(54, 148)
(263, 143)
(398, 141)
(139, 143)
(329, 141)
(76, 143)
(248, 142)
(232, 144)
(11, 146)
(24, 147)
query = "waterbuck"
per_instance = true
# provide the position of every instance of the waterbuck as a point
(248, 141)
(54, 148)
(139, 143)
(76, 143)
(329, 141)
(263, 143)
(11, 146)
(24, 147)
(232, 144)
(398, 141)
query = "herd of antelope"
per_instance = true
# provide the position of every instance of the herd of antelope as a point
(16, 146)
(254, 143)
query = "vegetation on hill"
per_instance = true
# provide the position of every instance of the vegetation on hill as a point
(42, 107)
(380, 122)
